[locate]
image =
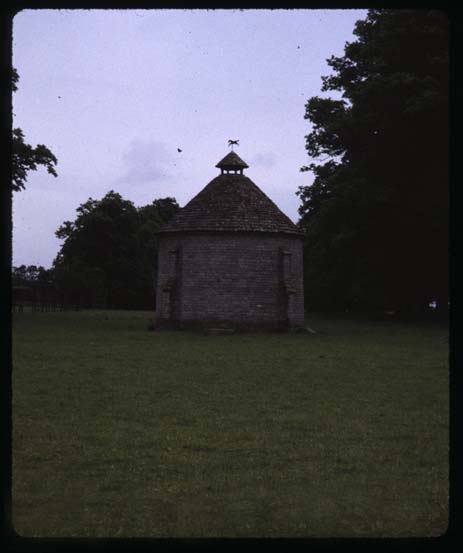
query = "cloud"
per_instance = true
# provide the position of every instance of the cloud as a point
(147, 161)
(263, 159)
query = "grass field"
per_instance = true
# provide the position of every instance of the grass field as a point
(121, 432)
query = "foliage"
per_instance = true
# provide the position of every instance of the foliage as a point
(35, 286)
(376, 215)
(25, 158)
(31, 274)
(108, 257)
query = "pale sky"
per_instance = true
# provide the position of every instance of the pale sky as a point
(114, 93)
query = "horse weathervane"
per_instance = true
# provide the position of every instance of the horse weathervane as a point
(233, 143)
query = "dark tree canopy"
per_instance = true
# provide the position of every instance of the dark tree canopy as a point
(31, 274)
(25, 158)
(108, 255)
(376, 215)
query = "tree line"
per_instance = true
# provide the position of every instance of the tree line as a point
(108, 255)
(375, 216)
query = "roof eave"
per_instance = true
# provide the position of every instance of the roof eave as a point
(191, 230)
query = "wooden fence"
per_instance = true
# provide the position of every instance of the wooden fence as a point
(40, 298)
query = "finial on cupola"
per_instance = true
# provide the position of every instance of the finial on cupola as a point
(233, 143)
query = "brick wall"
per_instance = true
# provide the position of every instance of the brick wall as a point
(253, 279)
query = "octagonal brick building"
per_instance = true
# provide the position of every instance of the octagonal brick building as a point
(230, 259)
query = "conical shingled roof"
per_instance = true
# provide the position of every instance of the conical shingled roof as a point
(232, 161)
(231, 203)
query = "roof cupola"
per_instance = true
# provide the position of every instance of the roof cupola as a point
(232, 163)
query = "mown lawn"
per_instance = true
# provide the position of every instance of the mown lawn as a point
(121, 432)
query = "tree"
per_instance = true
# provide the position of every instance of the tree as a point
(31, 274)
(25, 158)
(108, 255)
(34, 284)
(376, 215)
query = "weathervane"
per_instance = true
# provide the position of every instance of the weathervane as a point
(233, 143)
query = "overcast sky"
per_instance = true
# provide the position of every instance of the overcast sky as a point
(114, 93)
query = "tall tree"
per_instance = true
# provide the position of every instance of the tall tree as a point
(25, 158)
(109, 251)
(376, 215)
